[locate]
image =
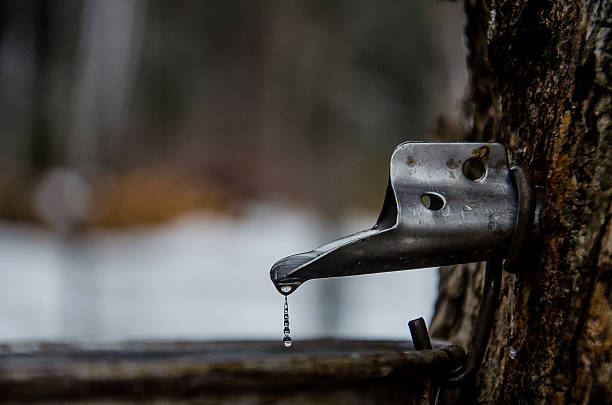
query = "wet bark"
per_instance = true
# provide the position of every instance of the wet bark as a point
(541, 83)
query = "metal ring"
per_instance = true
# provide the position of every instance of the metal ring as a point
(521, 236)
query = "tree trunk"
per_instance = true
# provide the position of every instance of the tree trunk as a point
(541, 83)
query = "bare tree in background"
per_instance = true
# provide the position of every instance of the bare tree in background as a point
(110, 37)
(541, 83)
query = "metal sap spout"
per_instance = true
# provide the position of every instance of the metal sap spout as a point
(446, 203)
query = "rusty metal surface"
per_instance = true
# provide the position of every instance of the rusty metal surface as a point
(179, 369)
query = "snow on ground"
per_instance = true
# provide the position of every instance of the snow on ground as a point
(202, 276)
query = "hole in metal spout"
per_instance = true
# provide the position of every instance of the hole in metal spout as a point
(474, 169)
(433, 201)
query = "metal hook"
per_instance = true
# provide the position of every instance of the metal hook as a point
(527, 220)
(484, 323)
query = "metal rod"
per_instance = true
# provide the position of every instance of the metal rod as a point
(420, 336)
(484, 323)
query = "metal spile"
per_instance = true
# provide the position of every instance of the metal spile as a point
(446, 203)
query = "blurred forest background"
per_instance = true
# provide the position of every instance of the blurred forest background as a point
(153, 152)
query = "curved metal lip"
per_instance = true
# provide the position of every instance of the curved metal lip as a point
(388, 220)
(325, 250)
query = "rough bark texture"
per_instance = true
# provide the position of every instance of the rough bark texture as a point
(541, 83)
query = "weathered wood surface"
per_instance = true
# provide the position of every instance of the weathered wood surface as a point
(321, 371)
(541, 83)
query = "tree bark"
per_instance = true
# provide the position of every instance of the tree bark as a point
(541, 83)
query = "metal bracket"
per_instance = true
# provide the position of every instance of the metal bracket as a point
(446, 203)
(456, 201)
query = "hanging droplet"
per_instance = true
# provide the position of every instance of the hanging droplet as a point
(287, 339)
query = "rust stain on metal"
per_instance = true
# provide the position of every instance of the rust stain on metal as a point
(482, 153)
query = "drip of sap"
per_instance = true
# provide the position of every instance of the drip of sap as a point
(287, 339)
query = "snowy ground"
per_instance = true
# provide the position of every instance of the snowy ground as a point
(200, 277)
